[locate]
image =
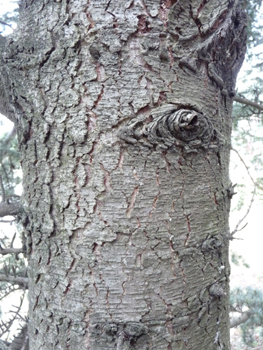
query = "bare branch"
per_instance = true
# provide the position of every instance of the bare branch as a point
(9, 290)
(21, 281)
(11, 251)
(234, 322)
(10, 209)
(8, 221)
(248, 102)
(6, 325)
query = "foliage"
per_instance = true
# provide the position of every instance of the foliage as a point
(247, 139)
(9, 163)
(250, 299)
(247, 136)
(12, 266)
(238, 260)
(250, 85)
(254, 25)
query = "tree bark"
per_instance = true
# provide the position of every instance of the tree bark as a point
(123, 112)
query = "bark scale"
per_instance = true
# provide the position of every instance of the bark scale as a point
(123, 112)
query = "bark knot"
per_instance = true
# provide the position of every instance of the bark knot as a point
(168, 126)
(122, 334)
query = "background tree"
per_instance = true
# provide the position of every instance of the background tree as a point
(117, 129)
(13, 265)
(247, 150)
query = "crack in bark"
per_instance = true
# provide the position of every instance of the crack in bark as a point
(132, 202)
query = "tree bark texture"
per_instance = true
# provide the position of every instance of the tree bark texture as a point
(123, 112)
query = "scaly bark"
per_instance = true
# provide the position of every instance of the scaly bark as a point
(123, 116)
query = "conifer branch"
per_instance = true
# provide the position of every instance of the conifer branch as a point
(10, 209)
(234, 322)
(248, 102)
(21, 281)
(11, 251)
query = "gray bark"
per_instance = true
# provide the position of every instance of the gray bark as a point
(123, 112)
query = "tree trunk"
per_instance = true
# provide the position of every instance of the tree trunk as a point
(123, 111)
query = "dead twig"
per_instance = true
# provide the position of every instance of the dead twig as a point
(6, 325)
(237, 229)
(247, 169)
(6, 24)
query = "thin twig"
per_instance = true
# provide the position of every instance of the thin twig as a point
(2, 189)
(237, 229)
(6, 24)
(8, 324)
(247, 169)
(12, 241)
(11, 289)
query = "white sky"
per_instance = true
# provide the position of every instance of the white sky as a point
(6, 6)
